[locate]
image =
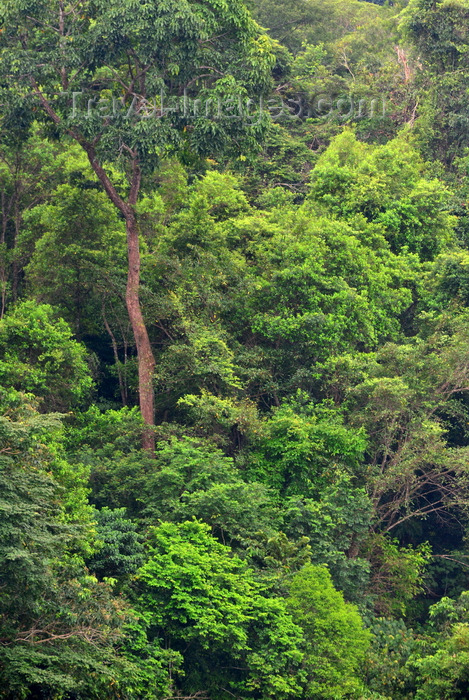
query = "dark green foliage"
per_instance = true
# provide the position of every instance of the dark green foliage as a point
(170, 41)
(120, 550)
(58, 625)
(386, 662)
(337, 527)
(80, 245)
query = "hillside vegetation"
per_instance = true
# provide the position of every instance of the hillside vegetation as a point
(234, 350)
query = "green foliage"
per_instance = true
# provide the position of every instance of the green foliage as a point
(313, 291)
(443, 671)
(120, 550)
(305, 448)
(39, 355)
(219, 418)
(205, 603)
(336, 641)
(29, 168)
(304, 286)
(171, 40)
(392, 646)
(36, 443)
(58, 625)
(397, 573)
(446, 673)
(193, 479)
(438, 31)
(207, 353)
(294, 22)
(117, 429)
(82, 242)
(408, 453)
(108, 443)
(337, 526)
(386, 184)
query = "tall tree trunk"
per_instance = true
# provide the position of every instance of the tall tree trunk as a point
(146, 361)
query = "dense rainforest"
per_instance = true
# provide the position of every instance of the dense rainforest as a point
(234, 350)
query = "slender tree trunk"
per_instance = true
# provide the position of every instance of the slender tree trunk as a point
(122, 387)
(146, 361)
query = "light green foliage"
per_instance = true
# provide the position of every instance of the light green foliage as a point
(448, 611)
(205, 603)
(307, 63)
(336, 641)
(152, 668)
(294, 22)
(438, 33)
(386, 184)
(178, 586)
(221, 194)
(214, 198)
(193, 479)
(219, 418)
(302, 287)
(443, 672)
(39, 355)
(303, 449)
(206, 354)
(316, 284)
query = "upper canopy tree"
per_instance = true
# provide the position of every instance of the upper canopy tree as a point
(121, 77)
(439, 32)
